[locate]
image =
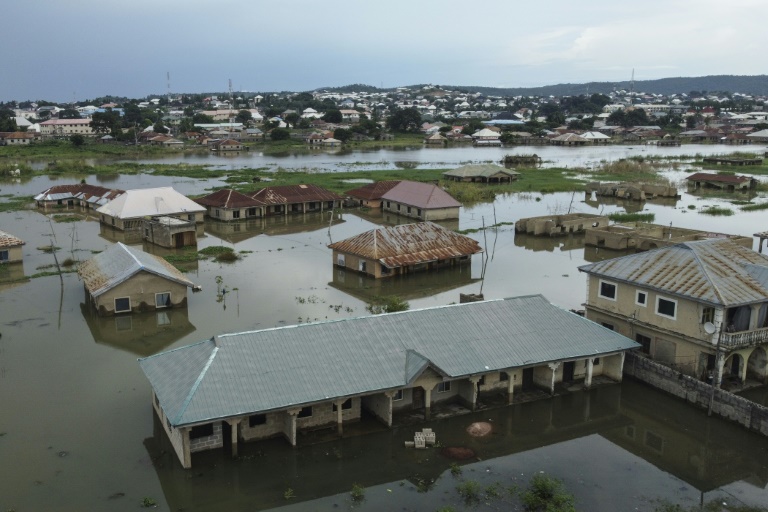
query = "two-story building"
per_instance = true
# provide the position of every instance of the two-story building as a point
(700, 307)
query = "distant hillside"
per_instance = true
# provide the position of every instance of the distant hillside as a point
(756, 85)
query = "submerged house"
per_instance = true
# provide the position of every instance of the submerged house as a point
(727, 182)
(284, 199)
(700, 307)
(128, 211)
(228, 204)
(391, 251)
(482, 173)
(282, 381)
(123, 279)
(422, 201)
(80, 194)
(10, 248)
(370, 195)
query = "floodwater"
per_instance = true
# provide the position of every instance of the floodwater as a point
(77, 430)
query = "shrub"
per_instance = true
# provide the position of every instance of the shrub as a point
(357, 492)
(546, 494)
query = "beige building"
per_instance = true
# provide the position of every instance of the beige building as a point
(123, 279)
(66, 127)
(10, 248)
(128, 211)
(281, 382)
(422, 201)
(700, 307)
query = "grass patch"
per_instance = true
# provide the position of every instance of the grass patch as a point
(66, 218)
(469, 491)
(632, 217)
(545, 494)
(357, 493)
(754, 207)
(215, 250)
(717, 211)
(14, 203)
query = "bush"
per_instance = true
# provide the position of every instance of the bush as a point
(280, 134)
(546, 494)
(357, 492)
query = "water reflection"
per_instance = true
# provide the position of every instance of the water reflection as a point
(569, 242)
(234, 232)
(142, 334)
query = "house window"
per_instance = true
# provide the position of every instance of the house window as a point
(409, 209)
(641, 299)
(362, 266)
(305, 412)
(503, 376)
(607, 290)
(596, 361)
(123, 305)
(645, 341)
(444, 387)
(3, 255)
(418, 212)
(123, 323)
(201, 431)
(398, 395)
(481, 382)
(163, 300)
(235, 214)
(607, 325)
(217, 213)
(388, 205)
(191, 217)
(256, 420)
(666, 307)
(344, 406)
(340, 260)
(707, 315)
(398, 207)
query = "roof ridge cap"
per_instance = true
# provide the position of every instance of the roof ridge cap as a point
(196, 385)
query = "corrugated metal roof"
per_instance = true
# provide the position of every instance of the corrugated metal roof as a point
(372, 190)
(250, 372)
(724, 178)
(8, 240)
(420, 195)
(144, 202)
(482, 170)
(228, 198)
(91, 193)
(717, 271)
(408, 244)
(284, 194)
(119, 263)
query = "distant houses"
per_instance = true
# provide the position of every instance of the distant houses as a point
(123, 279)
(727, 182)
(391, 251)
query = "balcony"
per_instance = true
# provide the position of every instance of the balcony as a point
(743, 338)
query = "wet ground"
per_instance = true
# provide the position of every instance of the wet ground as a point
(77, 431)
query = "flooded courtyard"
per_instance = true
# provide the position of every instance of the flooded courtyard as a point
(77, 430)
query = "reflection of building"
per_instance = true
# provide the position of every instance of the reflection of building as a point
(415, 286)
(142, 334)
(278, 382)
(685, 303)
(642, 236)
(390, 251)
(568, 242)
(123, 279)
(234, 232)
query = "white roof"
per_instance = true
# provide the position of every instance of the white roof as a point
(594, 135)
(149, 202)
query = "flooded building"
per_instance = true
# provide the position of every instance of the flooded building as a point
(10, 248)
(556, 225)
(727, 182)
(285, 199)
(370, 195)
(700, 307)
(170, 232)
(632, 191)
(80, 194)
(128, 211)
(282, 381)
(123, 279)
(642, 236)
(391, 251)
(482, 173)
(422, 201)
(228, 205)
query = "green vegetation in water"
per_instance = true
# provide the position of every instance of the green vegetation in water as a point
(546, 494)
(469, 491)
(14, 203)
(48, 248)
(52, 273)
(754, 207)
(390, 304)
(288, 494)
(66, 218)
(628, 171)
(717, 211)
(357, 493)
(632, 217)
(476, 230)
(215, 250)
(455, 469)
(148, 503)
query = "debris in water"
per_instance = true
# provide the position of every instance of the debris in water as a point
(479, 429)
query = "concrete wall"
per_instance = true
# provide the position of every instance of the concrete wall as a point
(227, 214)
(381, 406)
(323, 415)
(208, 442)
(727, 405)
(274, 426)
(15, 253)
(141, 289)
(175, 436)
(426, 214)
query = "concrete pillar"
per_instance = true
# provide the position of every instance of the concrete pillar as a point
(553, 367)
(588, 378)
(510, 390)
(427, 403)
(719, 365)
(233, 426)
(339, 420)
(743, 367)
(390, 395)
(187, 462)
(475, 391)
(291, 430)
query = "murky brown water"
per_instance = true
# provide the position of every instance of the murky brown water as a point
(77, 426)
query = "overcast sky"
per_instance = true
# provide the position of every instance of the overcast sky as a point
(64, 49)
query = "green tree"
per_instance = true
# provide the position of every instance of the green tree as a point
(342, 134)
(405, 120)
(159, 127)
(280, 134)
(333, 116)
(292, 119)
(244, 116)
(202, 119)
(69, 113)
(106, 122)
(7, 121)
(77, 140)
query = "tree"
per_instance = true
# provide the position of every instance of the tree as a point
(292, 119)
(405, 120)
(244, 116)
(159, 127)
(333, 116)
(280, 134)
(105, 122)
(342, 134)
(202, 119)
(77, 140)
(7, 121)
(69, 113)
(473, 126)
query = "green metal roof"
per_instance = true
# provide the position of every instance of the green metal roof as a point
(253, 372)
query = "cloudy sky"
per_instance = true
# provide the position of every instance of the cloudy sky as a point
(64, 49)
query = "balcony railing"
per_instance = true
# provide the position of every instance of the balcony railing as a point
(744, 338)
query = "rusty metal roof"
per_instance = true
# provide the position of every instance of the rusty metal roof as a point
(724, 178)
(119, 263)
(372, 190)
(287, 194)
(273, 369)
(228, 198)
(408, 244)
(421, 195)
(716, 271)
(8, 240)
(92, 194)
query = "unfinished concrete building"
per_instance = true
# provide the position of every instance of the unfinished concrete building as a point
(634, 191)
(644, 236)
(556, 225)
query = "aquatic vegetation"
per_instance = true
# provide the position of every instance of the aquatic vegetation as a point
(632, 217)
(545, 494)
(717, 211)
(357, 493)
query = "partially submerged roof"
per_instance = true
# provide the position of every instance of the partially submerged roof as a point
(142, 202)
(480, 170)
(285, 194)
(259, 371)
(716, 271)
(420, 195)
(723, 178)
(119, 263)
(92, 194)
(228, 198)
(408, 244)
(372, 190)
(8, 240)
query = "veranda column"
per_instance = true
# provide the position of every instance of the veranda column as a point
(553, 367)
